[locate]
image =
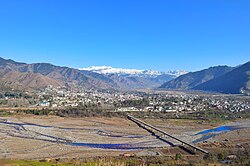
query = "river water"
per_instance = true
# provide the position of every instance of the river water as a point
(24, 130)
(209, 133)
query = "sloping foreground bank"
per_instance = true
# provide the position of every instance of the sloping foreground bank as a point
(178, 159)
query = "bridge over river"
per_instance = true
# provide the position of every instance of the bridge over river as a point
(159, 133)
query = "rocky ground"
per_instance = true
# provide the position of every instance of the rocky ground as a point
(38, 137)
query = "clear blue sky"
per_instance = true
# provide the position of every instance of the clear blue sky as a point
(143, 34)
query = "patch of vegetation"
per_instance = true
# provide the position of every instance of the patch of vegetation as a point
(100, 161)
(4, 113)
(33, 163)
(238, 157)
(214, 159)
(232, 156)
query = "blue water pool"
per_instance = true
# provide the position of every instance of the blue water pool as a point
(206, 134)
(108, 146)
(219, 129)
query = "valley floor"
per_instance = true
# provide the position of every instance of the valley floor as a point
(41, 137)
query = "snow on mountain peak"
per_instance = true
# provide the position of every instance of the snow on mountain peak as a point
(121, 71)
(111, 70)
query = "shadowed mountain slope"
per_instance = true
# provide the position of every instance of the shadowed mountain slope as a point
(193, 79)
(236, 81)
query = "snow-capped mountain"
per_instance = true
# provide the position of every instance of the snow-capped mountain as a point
(176, 73)
(111, 70)
(135, 78)
(132, 72)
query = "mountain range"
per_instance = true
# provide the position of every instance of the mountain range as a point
(234, 81)
(135, 78)
(132, 72)
(223, 79)
(192, 79)
(39, 75)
